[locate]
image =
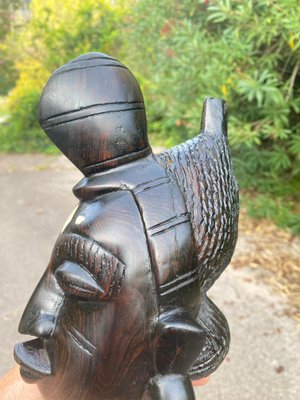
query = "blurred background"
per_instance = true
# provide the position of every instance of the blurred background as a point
(244, 51)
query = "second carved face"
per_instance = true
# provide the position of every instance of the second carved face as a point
(92, 308)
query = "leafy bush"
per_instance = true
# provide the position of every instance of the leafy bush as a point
(21, 132)
(8, 22)
(55, 33)
(284, 213)
(244, 51)
(247, 52)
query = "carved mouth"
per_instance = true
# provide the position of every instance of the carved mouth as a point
(33, 360)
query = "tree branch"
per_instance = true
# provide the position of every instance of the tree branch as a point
(292, 82)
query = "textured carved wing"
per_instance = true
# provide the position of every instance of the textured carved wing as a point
(203, 170)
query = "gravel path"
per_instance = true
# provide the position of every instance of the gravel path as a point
(36, 199)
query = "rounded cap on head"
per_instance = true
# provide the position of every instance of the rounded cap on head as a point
(93, 109)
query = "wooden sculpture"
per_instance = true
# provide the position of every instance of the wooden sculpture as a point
(121, 312)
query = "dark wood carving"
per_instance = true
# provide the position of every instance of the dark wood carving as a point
(121, 312)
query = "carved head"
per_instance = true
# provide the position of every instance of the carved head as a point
(92, 108)
(92, 310)
(121, 311)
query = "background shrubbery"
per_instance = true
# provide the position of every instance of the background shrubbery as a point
(246, 51)
(53, 32)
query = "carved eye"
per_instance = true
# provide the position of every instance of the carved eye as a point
(76, 280)
(99, 277)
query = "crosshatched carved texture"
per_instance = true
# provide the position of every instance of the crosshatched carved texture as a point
(121, 312)
(202, 168)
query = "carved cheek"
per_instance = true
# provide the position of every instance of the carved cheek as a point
(80, 342)
(79, 351)
(81, 323)
(71, 349)
(87, 332)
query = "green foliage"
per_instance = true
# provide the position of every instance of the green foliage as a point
(7, 16)
(21, 133)
(265, 193)
(247, 52)
(283, 213)
(55, 33)
(9, 21)
(244, 51)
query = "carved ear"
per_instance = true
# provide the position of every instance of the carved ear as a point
(178, 341)
(76, 280)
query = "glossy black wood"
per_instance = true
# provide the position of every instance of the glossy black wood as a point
(121, 311)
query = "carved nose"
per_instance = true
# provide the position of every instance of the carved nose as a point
(41, 326)
(41, 313)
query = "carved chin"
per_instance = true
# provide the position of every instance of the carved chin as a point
(33, 360)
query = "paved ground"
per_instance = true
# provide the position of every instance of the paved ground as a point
(36, 199)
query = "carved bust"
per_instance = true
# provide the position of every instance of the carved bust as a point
(121, 311)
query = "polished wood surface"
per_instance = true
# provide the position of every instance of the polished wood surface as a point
(121, 311)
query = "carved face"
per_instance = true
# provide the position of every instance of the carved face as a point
(91, 310)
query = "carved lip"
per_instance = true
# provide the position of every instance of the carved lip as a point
(33, 359)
